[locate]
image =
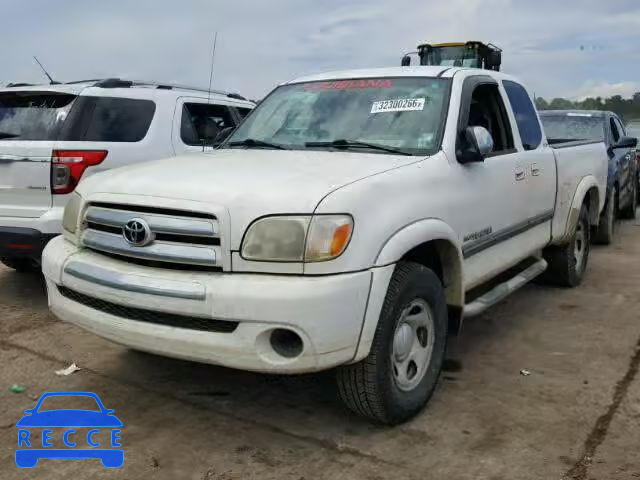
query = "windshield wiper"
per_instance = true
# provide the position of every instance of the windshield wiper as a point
(8, 135)
(252, 142)
(343, 143)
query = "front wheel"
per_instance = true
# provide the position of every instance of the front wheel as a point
(629, 212)
(568, 263)
(607, 226)
(400, 374)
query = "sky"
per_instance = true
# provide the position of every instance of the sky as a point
(570, 48)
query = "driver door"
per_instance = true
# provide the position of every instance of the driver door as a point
(492, 200)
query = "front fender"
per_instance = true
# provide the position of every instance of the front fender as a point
(446, 244)
(397, 246)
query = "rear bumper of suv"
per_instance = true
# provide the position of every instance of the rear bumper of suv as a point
(17, 242)
(24, 237)
(226, 319)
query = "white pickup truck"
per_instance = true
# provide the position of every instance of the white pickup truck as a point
(351, 221)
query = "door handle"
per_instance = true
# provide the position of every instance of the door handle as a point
(535, 170)
(520, 174)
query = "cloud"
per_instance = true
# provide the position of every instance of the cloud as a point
(555, 47)
(604, 89)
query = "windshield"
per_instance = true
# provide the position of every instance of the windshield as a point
(405, 114)
(33, 115)
(461, 56)
(573, 127)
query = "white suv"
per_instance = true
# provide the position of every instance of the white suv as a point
(51, 136)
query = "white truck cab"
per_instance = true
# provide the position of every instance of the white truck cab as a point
(346, 223)
(51, 136)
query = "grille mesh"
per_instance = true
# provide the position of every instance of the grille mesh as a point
(149, 316)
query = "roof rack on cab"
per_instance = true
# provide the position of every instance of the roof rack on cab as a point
(120, 83)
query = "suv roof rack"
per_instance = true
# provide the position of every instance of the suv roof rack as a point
(121, 83)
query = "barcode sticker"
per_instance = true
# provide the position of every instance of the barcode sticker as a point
(399, 105)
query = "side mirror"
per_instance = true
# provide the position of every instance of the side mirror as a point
(29, 411)
(626, 142)
(479, 144)
(406, 61)
(223, 135)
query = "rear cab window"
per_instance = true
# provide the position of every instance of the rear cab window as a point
(201, 122)
(525, 114)
(108, 119)
(573, 126)
(29, 115)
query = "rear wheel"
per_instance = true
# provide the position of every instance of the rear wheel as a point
(607, 226)
(398, 377)
(568, 263)
(629, 212)
(22, 265)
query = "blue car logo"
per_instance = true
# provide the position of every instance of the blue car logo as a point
(36, 431)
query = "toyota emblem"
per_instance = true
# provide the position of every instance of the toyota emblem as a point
(137, 232)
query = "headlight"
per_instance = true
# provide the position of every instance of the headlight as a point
(71, 213)
(297, 238)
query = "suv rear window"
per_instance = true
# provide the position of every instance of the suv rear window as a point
(201, 122)
(33, 115)
(109, 119)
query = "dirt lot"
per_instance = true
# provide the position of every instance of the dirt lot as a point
(577, 416)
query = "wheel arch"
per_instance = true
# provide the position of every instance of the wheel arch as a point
(588, 190)
(432, 243)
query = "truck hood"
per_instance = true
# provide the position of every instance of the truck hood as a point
(247, 183)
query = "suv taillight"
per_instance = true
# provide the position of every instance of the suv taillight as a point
(67, 167)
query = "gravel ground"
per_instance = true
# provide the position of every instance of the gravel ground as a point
(577, 416)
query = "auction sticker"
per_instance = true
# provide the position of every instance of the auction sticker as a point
(399, 105)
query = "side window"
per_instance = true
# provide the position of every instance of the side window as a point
(621, 128)
(615, 134)
(109, 119)
(525, 113)
(243, 112)
(487, 110)
(201, 122)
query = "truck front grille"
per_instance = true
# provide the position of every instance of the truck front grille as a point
(177, 238)
(149, 316)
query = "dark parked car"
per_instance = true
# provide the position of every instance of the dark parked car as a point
(633, 130)
(622, 180)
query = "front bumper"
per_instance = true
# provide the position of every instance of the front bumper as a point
(326, 312)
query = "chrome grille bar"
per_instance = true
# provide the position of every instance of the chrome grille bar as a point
(193, 227)
(157, 251)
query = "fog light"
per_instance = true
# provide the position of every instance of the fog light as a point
(286, 343)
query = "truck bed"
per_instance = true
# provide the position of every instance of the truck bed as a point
(575, 161)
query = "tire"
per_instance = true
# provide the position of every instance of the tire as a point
(629, 212)
(568, 263)
(607, 226)
(390, 386)
(22, 265)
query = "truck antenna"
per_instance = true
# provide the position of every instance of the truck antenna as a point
(51, 80)
(213, 57)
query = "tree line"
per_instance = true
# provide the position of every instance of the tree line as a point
(627, 108)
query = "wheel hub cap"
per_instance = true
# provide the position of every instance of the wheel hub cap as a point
(413, 343)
